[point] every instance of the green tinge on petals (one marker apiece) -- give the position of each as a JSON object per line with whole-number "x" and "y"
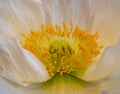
{"x": 65, "y": 84}
{"x": 79, "y": 74}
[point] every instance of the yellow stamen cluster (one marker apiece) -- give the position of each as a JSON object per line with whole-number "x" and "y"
{"x": 62, "y": 49}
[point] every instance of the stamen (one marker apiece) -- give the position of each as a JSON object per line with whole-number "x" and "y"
{"x": 62, "y": 49}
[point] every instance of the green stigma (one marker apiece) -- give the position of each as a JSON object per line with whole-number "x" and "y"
{"x": 61, "y": 53}
{"x": 60, "y": 47}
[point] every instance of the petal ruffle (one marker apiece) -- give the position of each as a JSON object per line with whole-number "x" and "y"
{"x": 18, "y": 63}
{"x": 17, "y": 16}
{"x": 109, "y": 62}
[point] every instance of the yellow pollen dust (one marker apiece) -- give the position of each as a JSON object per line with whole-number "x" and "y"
{"x": 62, "y": 49}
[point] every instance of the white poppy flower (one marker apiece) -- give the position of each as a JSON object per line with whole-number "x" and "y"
{"x": 54, "y": 59}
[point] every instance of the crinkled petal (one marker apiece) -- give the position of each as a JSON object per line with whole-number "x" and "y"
{"x": 18, "y": 63}
{"x": 57, "y": 11}
{"x": 18, "y": 16}
{"x": 107, "y": 21}
{"x": 109, "y": 62}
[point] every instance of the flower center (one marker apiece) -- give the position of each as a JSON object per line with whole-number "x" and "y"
{"x": 62, "y": 49}
{"x": 61, "y": 54}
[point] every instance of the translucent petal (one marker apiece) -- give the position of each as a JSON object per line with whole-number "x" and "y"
{"x": 107, "y": 21}
{"x": 109, "y": 62}
{"x": 18, "y": 16}
{"x": 20, "y": 63}
{"x": 57, "y": 11}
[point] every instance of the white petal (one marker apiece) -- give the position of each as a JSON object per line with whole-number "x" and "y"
{"x": 58, "y": 85}
{"x": 6, "y": 88}
{"x": 58, "y": 11}
{"x": 12, "y": 77}
{"x": 109, "y": 62}
{"x": 71, "y": 85}
{"x": 111, "y": 85}
{"x": 22, "y": 63}
{"x": 107, "y": 21}
{"x": 18, "y": 16}
{"x": 5, "y": 29}
{"x": 65, "y": 85}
